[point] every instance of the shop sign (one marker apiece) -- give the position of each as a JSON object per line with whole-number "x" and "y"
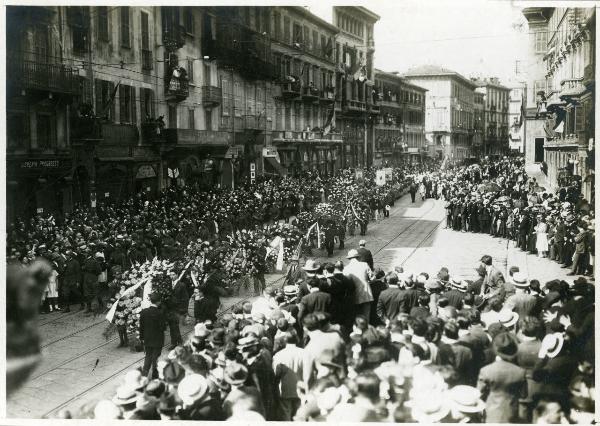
{"x": 106, "y": 194}
{"x": 252, "y": 167}
{"x": 145, "y": 171}
{"x": 269, "y": 152}
{"x": 40, "y": 210}
{"x": 42, "y": 164}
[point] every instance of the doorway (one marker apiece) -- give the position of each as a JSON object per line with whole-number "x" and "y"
{"x": 539, "y": 150}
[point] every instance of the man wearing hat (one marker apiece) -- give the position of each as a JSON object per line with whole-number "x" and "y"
{"x": 152, "y": 334}
{"x": 457, "y": 292}
{"x": 521, "y": 302}
{"x": 91, "y": 271}
{"x": 502, "y": 383}
{"x": 240, "y": 396}
{"x": 360, "y": 274}
{"x": 71, "y": 279}
{"x": 260, "y": 372}
{"x": 365, "y": 255}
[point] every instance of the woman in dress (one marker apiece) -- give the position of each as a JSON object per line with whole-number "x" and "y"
{"x": 541, "y": 243}
{"x": 52, "y": 291}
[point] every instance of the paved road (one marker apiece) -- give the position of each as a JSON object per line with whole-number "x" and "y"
{"x": 413, "y": 236}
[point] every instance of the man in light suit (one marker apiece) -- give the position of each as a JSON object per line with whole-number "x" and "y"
{"x": 360, "y": 274}
{"x": 493, "y": 281}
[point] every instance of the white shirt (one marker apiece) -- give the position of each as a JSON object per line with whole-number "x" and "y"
{"x": 359, "y": 273}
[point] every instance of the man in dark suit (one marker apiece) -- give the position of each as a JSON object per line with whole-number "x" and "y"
{"x": 502, "y": 383}
{"x": 152, "y": 334}
{"x": 315, "y": 301}
{"x": 364, "y": 254}
{"x": 389, "y": 303}
{"x": 413, "y": 191}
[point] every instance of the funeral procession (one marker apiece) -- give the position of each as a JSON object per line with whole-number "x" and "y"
{"x": 375, "y": 212}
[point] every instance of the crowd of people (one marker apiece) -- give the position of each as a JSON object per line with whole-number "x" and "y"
{"x": 500, "y": 199}
{"x": 349, "y": 341}
{"x": 89, "y": 247}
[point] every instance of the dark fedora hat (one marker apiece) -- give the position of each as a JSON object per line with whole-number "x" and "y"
{"x": 505, "y": 346}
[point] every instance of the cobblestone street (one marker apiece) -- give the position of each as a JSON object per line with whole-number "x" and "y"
{"x": 81, "y": 365}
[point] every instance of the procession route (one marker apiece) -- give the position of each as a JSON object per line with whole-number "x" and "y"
{"x": 413, "y": 237}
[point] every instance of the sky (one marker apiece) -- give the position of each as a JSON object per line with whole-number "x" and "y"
{"x": 479, "y": 38}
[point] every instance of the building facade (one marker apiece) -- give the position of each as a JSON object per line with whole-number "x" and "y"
{"x": 354, "y": 106}
{"x": 449, "y": 110}
{"x": 516, "y": 104}
{"x": 107, "y": 101}
{"x": 560, "y": 125}
{"x": 495, "y": 97}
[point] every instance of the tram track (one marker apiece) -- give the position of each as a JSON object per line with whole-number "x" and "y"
{"x": 413, "y": 222}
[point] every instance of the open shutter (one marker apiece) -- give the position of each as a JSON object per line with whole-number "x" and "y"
{"x": 152, "y": 112}
{"x": 133, "y": 106}
{"x": 144, "y": 108}
{"x": 98, "y": 91}
{"x": 122, "y": 104}
{"x": 579, "y": 119}
{"x": 111, "y": 108}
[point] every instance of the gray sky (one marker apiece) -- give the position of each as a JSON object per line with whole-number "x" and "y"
{"x": 473, "y": 37}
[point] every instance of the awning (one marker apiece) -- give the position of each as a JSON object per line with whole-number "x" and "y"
{"x": 275, "y": 165}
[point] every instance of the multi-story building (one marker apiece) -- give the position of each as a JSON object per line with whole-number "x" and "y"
{"x": 450, "y": 110}
{"x": 560, "y": 118}
{"x": 400, "y": 127}
{"x": 354, "y": 58}
{"x": 303, "y": 49}
{"x": 495, "y": 138}
{"x": 478, "y": 123}
{"x": 516, "y": 102}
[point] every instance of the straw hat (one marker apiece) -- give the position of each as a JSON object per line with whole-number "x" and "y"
{"x": 465, "y": 399}
{"x": 551, "y": 345}
{"x": 192, "y": 388}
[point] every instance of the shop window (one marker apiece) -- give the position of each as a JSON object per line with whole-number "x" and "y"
{"x": 17, "y": 130}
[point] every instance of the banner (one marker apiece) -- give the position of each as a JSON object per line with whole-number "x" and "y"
{"x": 279, "y": 264}
{"x": 359, "y": 174}
{"x": 318, "y": 236}
{"x": 388, "y": 174}
{"x": 380, "y": 179}
{"x": 310, "y": 229}
{"x": 273, "y": 245}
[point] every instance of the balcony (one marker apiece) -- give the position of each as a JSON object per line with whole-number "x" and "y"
{"x": 173, "y": 37}
{"x": 374, "y": 109}
{"x": 120, "y": 134}
{"x": 355, "y": 107}
{"x": 284, "y": 136}
{"x": 86, "y": 128}
{"x": 571, "y": 88}
{"x": 568, "y": 142}
{"x": 42, "y": 77}
{"x": 291, "y": 89}
{"x": 191, "y": 137}
{"x": 327, "y": 96}
{"x": 211, "y": 96}
{"x": 151, "y": 134}
{"x": 310, "y": 93}
{"x": 177, "y": 89}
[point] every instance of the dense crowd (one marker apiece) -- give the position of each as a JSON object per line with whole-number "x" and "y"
{"x": 346, "y": 340}
{"x": 501, "y": 200}
{"x": 351, "y": 342}
{"x": 88, "y": 248}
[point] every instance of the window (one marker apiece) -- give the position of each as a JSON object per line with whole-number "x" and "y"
{"x": 315, "y": 41}
{"x": 146, "y": 52}
{"x": 297, "y": 33}
{"x": 127, "y": 104}
{"x": 105, "y": 99}
{"x": 307, "y": 116}
{"x": 17, "y": 127}
{"x": 172, "y": 117}
{"x": 237, "y": 101}
{"x": 45, "y": 133}
{"x": 191, "y": 119}
{"x": 102, "y": 12}
{"x": 286, "y": 29}
{"x": 207, "y": 74}
{"x": 208, "y": 119}
{"x": 147, "y": 103}
{"x": 190, "y": 70}
{"x": 288, "y": 117}
{"x": 276, "y": 25}
{"x": 125, "y": 41}
{"x": 188, "y": 20}
{"x": 226, "y": 104}
{"x": 540, "y": 41}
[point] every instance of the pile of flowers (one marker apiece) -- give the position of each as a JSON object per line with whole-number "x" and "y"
{"x": 291, "y": 237}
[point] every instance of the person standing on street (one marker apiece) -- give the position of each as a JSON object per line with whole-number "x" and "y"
{"x": 91, "y": 271}
{"x": 413, "y": 191}
{"x": 360, "y": 274}
{"x": 152, "y": 335}
{"x": 365, "y": 255}
{"x": 176, "y": 307}
{"x": 70, "y": 280}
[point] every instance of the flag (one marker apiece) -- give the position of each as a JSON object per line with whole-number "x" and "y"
{"x": 279, "y": 264}
{"x": 111, "y": 98}
{"x": 330, "y": 123}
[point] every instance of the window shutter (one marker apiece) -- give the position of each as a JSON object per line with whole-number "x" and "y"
{"x": 144, "y": 108}
{"x": 122, "y": 104}
{"x": 111, "y": 108}
{"x": 579, "y": 119}
{"x": 98, "y": 89}
{"x": 152, "y": 112}
{"x": 133, "y": 118}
